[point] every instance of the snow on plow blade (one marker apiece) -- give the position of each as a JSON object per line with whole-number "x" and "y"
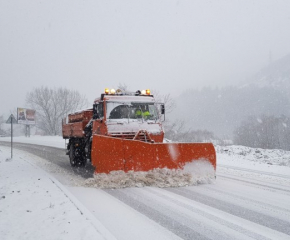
{"x": 113, "y": 154}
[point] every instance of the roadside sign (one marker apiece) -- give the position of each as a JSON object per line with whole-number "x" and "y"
{"x": 11, "y": 119}
{"x": 26, "y": 116}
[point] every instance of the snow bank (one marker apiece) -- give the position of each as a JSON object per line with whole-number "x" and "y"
{"x": 194, "y": 173}
{"x": 269, "y": 156}
{"x": 34, "y": 205}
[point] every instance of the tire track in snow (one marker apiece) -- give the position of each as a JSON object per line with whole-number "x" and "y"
{"x": 254, "y": 183}
{"x": 259, "y": 218}
{"x": 218, "y": 220}
{"x": 177, "y": 227}
{"x": 189, "y": 213}
{"x": 255, "y": 171}
{"x": 245, "y": 199}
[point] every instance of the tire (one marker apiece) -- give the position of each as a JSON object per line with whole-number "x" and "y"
{"x": 77, "y": 157}
{"x": 72, "y": 158}
{"x": 82, "y": 162}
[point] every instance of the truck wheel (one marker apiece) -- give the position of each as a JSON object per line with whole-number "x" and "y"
{"x": 82, "y": 162}
{"x": 72, "y": 158}
{"x": 80, "y": 157}
{"x": 76, "y": 157}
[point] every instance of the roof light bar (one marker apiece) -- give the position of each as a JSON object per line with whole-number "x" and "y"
{"x": 121, "y": 92}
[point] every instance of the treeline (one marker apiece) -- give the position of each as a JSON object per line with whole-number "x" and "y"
{"x": 267, "y": 132}
{"x": 221, "y": 110}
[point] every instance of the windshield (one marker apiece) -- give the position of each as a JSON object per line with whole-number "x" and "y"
{"x": 131, "y": 110}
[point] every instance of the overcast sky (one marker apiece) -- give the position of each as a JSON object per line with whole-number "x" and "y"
{"x": 165, "y": 45}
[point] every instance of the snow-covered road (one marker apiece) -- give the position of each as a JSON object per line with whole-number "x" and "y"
{"x": 227, "y": 209}
{"x": 248, "y": 200}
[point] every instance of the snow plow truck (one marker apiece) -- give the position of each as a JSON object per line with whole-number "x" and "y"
{"x": 123, "y": 131}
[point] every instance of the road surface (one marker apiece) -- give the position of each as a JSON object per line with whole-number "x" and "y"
{"x": 240, "y": 204}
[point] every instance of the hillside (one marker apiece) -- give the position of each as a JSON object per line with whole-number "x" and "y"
{"x": 221, "y": 110}
{"x": 276, "y": 75}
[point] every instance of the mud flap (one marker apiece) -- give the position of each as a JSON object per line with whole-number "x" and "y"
{"x": 111, "y": 154}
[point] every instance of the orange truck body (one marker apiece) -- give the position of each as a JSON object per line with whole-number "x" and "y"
{"x": 127, "y": 144}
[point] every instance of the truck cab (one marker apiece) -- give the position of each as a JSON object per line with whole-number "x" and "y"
{"x": 123, "y": 116}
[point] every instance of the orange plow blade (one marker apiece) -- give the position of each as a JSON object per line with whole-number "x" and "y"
{"x": 113, "y": 154}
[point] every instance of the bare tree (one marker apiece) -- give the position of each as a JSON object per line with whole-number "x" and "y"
{"x": 175, "y": 130}
{"x": 52, "y": 105}
{"x": 123, "y": 86}
{"x": 167, "y": 99}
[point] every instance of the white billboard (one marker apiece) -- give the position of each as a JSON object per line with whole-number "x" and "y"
{"x": 26, "y": 116}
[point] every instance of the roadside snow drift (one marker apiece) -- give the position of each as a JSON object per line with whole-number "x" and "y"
{"x": 269, "y": 156}
{"x": 34, "y": 206}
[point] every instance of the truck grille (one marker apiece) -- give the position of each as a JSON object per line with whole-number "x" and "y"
{"x": 124, "y": 135}
{"x": 140, "y": 136}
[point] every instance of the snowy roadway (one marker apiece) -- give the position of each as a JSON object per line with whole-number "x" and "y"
{"x": 248, "y": 200}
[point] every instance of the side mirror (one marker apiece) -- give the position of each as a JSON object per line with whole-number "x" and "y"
{"x": 95, "y": 111}
{"x": 162, "y": 109}
{"x": 162, "y": 106}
